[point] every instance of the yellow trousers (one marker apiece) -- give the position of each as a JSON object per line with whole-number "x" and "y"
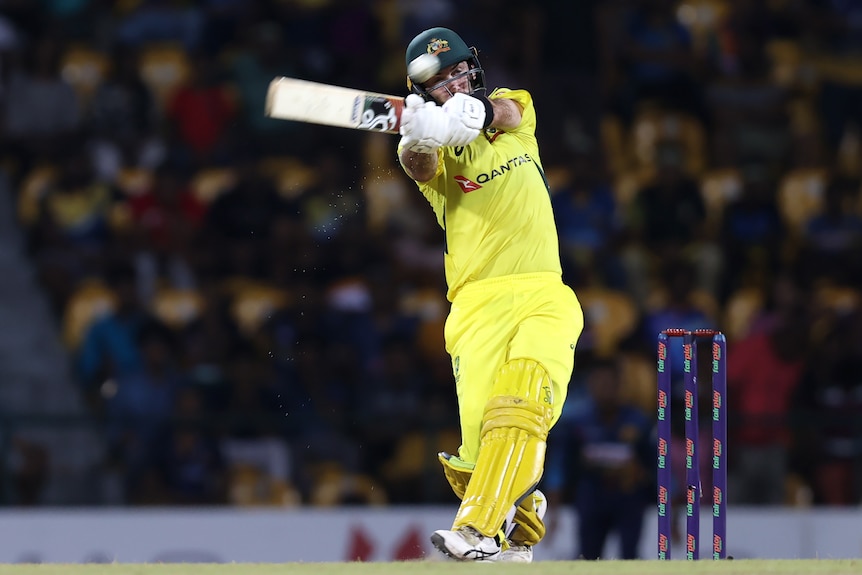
{"x": 492, "y": 321}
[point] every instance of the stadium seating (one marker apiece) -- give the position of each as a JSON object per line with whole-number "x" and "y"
{"x": 91, "y": 300}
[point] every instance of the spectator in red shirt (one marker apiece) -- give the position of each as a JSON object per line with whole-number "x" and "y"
{"x": 168, "y": 208}
{"x": 202, "y": 111}
{"x": 166, "y": 219}
{"x": 763, "y": 373}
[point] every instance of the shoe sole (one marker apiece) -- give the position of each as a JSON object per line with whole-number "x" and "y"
{"x": 440, "y": 543}
{"x": 504, "y": 559}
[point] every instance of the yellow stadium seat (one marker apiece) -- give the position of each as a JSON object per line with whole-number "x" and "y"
{"x": 785, "y": 59}
{"x": 797, "y": 491}
{"x": 337, "y": 487}
{"x": 251, "y": 486}
{"x": 652, "y": 126}
{"x": 702, "y": 18}
{"x": 644, "y": 136}
{"x": 177, "y": 307}
{"x": 693, "y": 137}
{"x": 291, "y": 175}
{"x": 377, "y": 151}
{"x": 135, "y": 181}
{"x": 32, "y": 190}
{"x": 164, "y": 68}
{"x": 840, "y": 299}
{"x": 718, "y": 187}
{"x": 84, "y": 69}
{"x": 613, "y": 138}
{"x": 209, "y": 183}
{"x": 610, "y": 316}
{"x": 626, "y": 186}
{"x": 429, "y": 305}
{"x": 639, "y": 382}
{"x": 706, "y": 302}
{"x": 252, "y": 304}
{"x": 414, "y": 451}
{"x": 804, "y": 121}
{"x": 831, "y": 303}
{"x": 850, "y": 157}
{"x": 559, "y": 176}
{"x": 740, "y": 310}
{"x": 389, "y": 203}
{"x": 120, "y": 217}
{"x": 386, "y": 194}
{"x": 800, "y": 196}
{"x": 90, "y": 301}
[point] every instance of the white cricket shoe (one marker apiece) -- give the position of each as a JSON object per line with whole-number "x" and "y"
{"x": 524, "y": 553}
{"x": 517, "y": 554}
{"x": 466, "y": 544}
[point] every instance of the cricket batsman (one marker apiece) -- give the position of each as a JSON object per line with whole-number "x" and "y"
{"x": 513, "y": 324}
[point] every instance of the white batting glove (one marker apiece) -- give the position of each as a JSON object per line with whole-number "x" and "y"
{"x": 428, "y": 127}
{"x": 412, "y": 126}
{"x": 412, "y": 103}
{"x": 468, "y": 110}
{"x": 425, "y": 130}
{"x": 459, "y": 134}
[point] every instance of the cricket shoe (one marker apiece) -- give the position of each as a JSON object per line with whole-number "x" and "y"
{"x": 514, "y": 553}
{"x": 466, "y": 544}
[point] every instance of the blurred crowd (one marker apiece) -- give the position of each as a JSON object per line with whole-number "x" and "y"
{"x": 254, "y": 308}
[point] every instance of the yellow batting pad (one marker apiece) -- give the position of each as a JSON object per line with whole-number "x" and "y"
{"x": 512, "y": 452}
{"x": 530, "y": 529}
{"x": 457, "y": 472}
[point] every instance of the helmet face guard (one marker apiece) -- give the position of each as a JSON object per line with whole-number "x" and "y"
{"x": 474, "y": 72}
{"x": 450, "y": 49}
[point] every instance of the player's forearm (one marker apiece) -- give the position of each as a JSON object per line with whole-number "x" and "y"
{"x": 420, "y": 167}
{"x": 507, "y": 114}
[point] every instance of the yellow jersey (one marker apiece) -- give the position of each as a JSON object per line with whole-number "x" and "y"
{"x": 492, "y": 200}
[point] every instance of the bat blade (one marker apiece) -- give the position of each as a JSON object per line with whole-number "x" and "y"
{"x": 316, "y": 103}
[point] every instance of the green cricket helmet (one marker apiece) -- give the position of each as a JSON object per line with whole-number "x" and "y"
{"x": 450, "y": 49}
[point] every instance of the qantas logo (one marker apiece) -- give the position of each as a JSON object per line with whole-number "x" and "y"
{"x": 467, "y": 185}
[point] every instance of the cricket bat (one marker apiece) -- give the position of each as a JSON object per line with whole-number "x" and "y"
{"x": 315, "y": 103}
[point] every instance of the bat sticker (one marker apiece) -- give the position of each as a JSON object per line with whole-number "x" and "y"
{"x": 376, "y": 113}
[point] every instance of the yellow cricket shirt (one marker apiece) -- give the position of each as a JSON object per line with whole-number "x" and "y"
{"x": 492, "y": 200}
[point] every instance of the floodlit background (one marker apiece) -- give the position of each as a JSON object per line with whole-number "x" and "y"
{"x": 205, "y": 310}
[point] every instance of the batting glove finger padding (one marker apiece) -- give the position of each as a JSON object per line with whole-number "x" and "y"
{"x": 429, "y": 127}
{"x": 413, "y": 101}
{"x": 468, "y": 110}
{"x": 459, "y": 134}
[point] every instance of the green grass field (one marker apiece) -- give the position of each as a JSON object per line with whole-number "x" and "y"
{"x": 741, "y": 567}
